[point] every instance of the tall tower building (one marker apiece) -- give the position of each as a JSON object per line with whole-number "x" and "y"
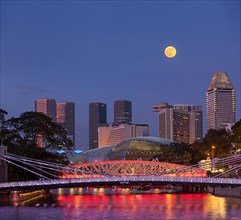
{"x": 97, "y": 118}
{"x": 180, "y": 123}
{"x": 66, "y": 118}
{"x": 46, "y": 106}
{"x": 122, "y": 112}
{"x": 195, "y": 117}
{"x": 220, "y": 102}
{"x": 165, "y": 120}
{"x": 62, "y": 113}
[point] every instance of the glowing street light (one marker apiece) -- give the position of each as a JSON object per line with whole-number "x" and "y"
{"x": 213, "y": 147}
{"x": 212, "y": 161}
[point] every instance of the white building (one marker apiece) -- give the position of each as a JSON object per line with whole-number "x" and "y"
{"x": 114, "y": 135}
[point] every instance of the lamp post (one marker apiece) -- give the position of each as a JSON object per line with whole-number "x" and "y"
{"x": 213, "y": 147}
{"x": 212, "y": 162}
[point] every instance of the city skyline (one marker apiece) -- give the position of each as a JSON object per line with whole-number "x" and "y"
{"x": 179, "y": 123}
{"x": 97, "y": 118}
{"x": 122, "y": 112}
{"x": 86, "y": 52}
{"x": 62, "y": 113}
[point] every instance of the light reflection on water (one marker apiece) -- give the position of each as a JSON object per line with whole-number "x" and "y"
{"x": 128, "y": 206}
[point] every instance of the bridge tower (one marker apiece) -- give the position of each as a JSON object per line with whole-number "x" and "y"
{"x": 3, "y": 165}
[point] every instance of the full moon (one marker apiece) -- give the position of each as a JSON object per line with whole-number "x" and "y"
{"x": 170, "y": 52}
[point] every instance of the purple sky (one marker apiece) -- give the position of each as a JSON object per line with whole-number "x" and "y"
{"x": 84, "y": 51}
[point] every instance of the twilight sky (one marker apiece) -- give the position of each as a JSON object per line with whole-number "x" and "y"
{"x": 84, "y": 51}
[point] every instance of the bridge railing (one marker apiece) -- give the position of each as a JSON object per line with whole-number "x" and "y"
{"x": 40, "y": 168}
{"x": 119, "y": 180}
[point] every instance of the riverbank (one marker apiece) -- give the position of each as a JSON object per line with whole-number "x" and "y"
{"x": 227, "y": 192}
{"x": 21, "y": 197}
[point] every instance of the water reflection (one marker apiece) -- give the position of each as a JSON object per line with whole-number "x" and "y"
{"x": 154, "y": 206}
{"x": 219, "y": 204}
{"x": 127, "y": 206}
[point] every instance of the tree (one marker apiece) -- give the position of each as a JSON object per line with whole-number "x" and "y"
{"x": 200, "y": 151}
{"x": 20, "y": 136}
{"x": 30, "y": 125}
{"x": 3, "y": 113}
{"x": 179, "y": 153}
{"x": 236, "y": 135}
{"x": 217, "y": 143}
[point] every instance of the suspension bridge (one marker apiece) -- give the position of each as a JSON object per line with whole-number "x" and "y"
{"x": 120, "y": 173}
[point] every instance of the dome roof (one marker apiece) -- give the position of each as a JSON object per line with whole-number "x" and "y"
{"x": 144, "y": 148}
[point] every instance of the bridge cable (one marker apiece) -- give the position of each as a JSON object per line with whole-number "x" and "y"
{"x": 8, "y": 161}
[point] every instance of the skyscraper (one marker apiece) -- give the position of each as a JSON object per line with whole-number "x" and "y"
{"x": 195, "y": 117}
{"x": 62, "y": 113}
{"x": 66, "y": 118}
{"x": 180, "y": 123}
{"x": 122, "y": 112}
{"x": 97, "y": 118}
{"x": 46, "y": 106}
{"x": 165, "y": 120}
{"x": 220, "y": 102}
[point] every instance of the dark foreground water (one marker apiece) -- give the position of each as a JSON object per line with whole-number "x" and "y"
{"x": 126, "y": 206}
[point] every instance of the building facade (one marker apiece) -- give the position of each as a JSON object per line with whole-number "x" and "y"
{"x": 220, "y": 102}
{"x": 165, "y": 120}
{"x": 97, "y": 118}
{"x": 62, "y": 113}
{"x": 180, "y": 123}
{"x": 114, "y": 135}
{"x": 195, "y": 117}
{"x": 122, "y": 112}
{"x": 66, "y": 118}
{"x": 47, "y": 107}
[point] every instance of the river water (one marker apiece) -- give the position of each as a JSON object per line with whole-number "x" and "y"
{"x": 146, "y": 206}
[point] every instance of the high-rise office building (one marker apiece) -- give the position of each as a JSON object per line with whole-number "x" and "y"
{"x": 62, "y": 113}
{"x": 195, "y": 120}
{"x": 180, "y": 123}
{"x": 165, "y": 120}
{"x": 46, "y": 106}
{"x": 66, "y": 118}
{"x": 220, "y": 102}
{"x": 114, "y": 135}
{"x": 97, "y": 118}
{"x": 122, "y": 112}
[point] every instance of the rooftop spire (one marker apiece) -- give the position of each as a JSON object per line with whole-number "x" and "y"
{"x": 220, "y": 80}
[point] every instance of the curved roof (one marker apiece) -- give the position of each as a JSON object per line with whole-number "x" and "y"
{"x": 145, "y": 148}
{"x": 220, "y": 80}
{"x": 153, "y": 139}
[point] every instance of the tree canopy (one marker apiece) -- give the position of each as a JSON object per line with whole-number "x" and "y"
{"x": 218, "y": 143}
{"x": 26, "y": 129}
{"x": 236, "y": 135}
{"x": 20, "y": 135}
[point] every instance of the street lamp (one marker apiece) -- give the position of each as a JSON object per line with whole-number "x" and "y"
{"x": 213, "y": 147}
{"x": 212, "y": 162}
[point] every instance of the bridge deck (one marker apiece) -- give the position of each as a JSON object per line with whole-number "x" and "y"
{"x": 118, "y": 180}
